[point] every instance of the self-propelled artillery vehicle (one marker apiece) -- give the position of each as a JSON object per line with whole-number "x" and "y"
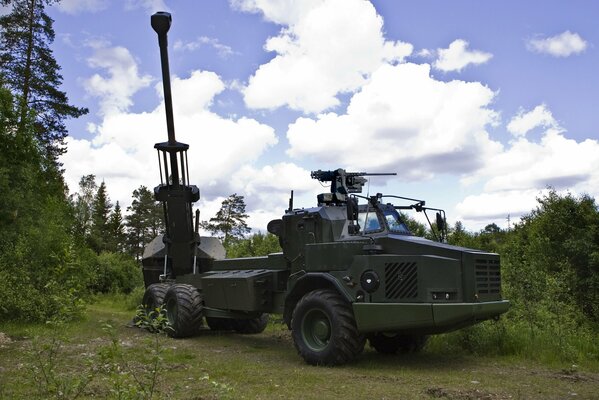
{"x": 348, "y": 272}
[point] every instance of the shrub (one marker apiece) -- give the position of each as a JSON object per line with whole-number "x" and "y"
{"x": 115, "y": 272}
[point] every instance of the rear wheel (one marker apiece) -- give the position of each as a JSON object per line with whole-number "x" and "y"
{"x": 251, "y": 325}
{"x": 219, "y": 324}
{"x": 183, "y": 305}
{"x": 154, "y": 297}
{"x": 392, "y": 343}
{"x": 324, "y": 329}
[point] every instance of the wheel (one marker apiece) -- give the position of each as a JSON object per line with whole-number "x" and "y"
{"x": 391, "y": 343}
{"x": 252, "y": 325}
{"x": 219, "y": 324}
{"x": 183, "y": 305}
{"x": 412, "y": 344}
{"x": 324, "y": 329}
{"x": 154, "y": 297}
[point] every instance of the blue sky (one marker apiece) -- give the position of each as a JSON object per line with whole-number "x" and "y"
{"x": 478, "y": 106}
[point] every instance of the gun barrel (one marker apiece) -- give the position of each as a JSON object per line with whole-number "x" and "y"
{"x": 161, "y": 23}
{"x": 328, "y": 176}
{"x": 371, "y": 174}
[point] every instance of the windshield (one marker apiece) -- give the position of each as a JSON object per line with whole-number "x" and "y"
{"x": 369, "y": 221}
{"x": 394, "y": 222}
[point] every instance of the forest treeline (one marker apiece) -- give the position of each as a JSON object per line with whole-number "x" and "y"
{"x": 56, "y": 249}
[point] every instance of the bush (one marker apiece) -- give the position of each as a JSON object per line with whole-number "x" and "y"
{"x": 115, "y": 272}
{"x": 41, "y": 278}
{"x": 510, "y": 337}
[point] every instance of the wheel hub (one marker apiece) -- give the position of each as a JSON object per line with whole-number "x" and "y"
{"x": 316, "y": 330}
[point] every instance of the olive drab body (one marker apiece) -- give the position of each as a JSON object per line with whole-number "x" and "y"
{"x": 350, "y": 271}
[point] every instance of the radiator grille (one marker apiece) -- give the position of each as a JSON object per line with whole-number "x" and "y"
{"x": 401, "y": 280}
{"x": 487, "y": 276}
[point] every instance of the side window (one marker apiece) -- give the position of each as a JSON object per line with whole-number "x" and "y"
{"x": 369, "y": 224}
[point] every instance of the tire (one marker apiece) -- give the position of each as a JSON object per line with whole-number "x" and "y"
{"x": 183, "y": 305}
{"x": 392, "y": 343}
{"x": 250, "y": 326}
{"x": 154, "y": 297}
{"x": 219, "y": 324}
{"x": 324, "y": 329}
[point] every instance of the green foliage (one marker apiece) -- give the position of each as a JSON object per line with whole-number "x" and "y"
{"x": 258, "y": 244}
{"x": 115, "y": 272}
{"x": 111, "y": 363}
{"x": 229, "y": 222}
{"x": 116, "y": 230}
{"x": 33, "y": 75}
{"x": 100, "y": 234}
{"x": 154, "y": 321}
{"x": 550, "y": 273}
{"x": 83, "y": 203}
{"x": 144, "y": 221}
{"x": 43, "y": 364}
{"x": 128, "y": 380}
{"x": 551, "y": 264}
{"x": 417, "y": 228}
{"x": 510, "y": 337}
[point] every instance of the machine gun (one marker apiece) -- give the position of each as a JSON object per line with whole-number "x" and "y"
{"x": 175, "y": 192}
{"x": 342, "y": 184}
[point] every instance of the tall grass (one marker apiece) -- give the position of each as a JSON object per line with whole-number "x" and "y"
{"x": 545, "y": 344}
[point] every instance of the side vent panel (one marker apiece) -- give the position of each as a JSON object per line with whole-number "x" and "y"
{"x": 488, "y": 277}
{"x": 401, "y": 280}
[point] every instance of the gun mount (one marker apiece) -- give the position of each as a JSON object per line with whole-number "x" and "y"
{"x": 342, "y": 184}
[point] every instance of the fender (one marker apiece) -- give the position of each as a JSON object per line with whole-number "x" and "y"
{"x": 303, "y": 282}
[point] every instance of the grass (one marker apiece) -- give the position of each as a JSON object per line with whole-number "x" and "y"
{"x": 264, "y": 366}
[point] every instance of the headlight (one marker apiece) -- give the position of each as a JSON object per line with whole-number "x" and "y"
{"x": 370, "y": 281}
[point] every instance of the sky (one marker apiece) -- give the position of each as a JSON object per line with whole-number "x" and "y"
{"x": 478, "y": 107}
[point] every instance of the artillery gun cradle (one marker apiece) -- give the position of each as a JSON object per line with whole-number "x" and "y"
{"x": 348, "y": 272}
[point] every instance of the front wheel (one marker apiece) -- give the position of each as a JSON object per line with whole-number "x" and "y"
{"x": 324, "y": 329}
{"x": 183, "y": 305}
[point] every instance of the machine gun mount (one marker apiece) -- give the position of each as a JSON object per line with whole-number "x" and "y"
{"x": 342, "y": 184}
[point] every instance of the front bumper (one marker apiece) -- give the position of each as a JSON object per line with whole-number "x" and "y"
{"x": 424, "y": 317}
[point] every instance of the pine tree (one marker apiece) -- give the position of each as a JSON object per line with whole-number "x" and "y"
{"x": 29, "y": 70}
{"x": 144, "y": 221}
{"x": 116, "y": 228}
{"x": 83, "y": 205}
{"x": 229, "y": 223}
{"x": 100, "y": 230}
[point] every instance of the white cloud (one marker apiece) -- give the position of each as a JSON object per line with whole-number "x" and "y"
{"x": 563, "y": 45}
{"x": 513, "y": 177}
{"x": 426, "y": 53}
{"x": 282, "y": 12}
{"x": 151, "y": 6}
{"x": 403, "y": 120}
{"x": 326, "y": 48}
{"x": 123, "y": 80}
{"x": 121, "y": 153}
{"x": 267, "y": 190}
{"x": 74, "y": 7}
{"x": 457, "y": 57}
{"x": 476, "y": 211}
{"x": 524, "y": 122}
{"x": 222, "y": 50}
